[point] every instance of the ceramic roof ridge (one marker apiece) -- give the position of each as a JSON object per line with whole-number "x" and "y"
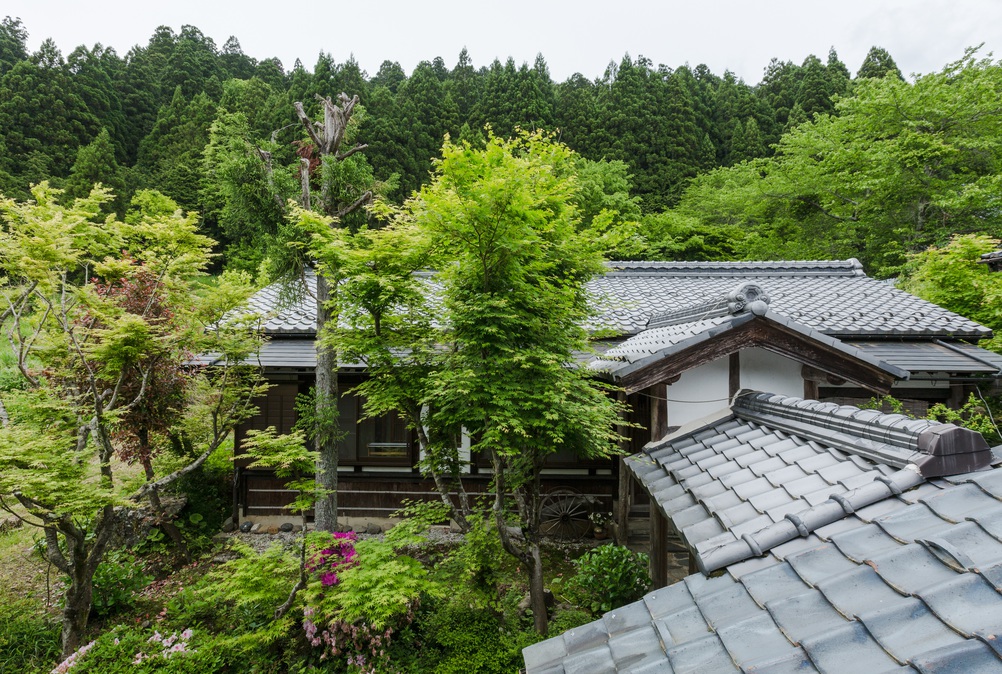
{"x": 850, "y": 267}
{"x": 804, "y": 523}
{"x": 747, "y": 296}
{"x": 893, "y": 439}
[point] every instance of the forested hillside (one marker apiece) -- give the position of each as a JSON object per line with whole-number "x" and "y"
{"x": 191, "y": 119}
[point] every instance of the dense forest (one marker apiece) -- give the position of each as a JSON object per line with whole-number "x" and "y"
{"x": 190, "y": 119}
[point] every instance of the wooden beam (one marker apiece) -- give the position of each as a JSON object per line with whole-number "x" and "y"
{"x": 772, "y": 337}
{"x": 733, "y": 374}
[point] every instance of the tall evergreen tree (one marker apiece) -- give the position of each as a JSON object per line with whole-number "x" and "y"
{"x": 815, "y": 94}
{"x": 13, "y": 43}
{"x": 96, "y": 163}
{"x": 878, "y": 63}
{"x": 43, "y": 119}
{"x": 170, "y": 157}
{"x": 234, "y": 62}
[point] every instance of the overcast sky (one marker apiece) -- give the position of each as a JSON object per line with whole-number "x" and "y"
{"x": 581, "y": 36}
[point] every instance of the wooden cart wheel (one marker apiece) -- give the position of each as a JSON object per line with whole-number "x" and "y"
{"x": 564, "y": 514}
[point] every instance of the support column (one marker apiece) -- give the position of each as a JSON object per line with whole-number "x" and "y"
{"x": 659, "y": 548}
{"x": 625, "y": 483}
{"x": 658, "y": 394}
{"x": 733, "y": 374}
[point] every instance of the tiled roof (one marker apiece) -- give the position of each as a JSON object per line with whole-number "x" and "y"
{"x": 833, "y": 297}
{"x": 288, "y": 308}
{"x": 847, "y": 564}
{"x": 934, "y": 356}
{"x": 909, "y": 584}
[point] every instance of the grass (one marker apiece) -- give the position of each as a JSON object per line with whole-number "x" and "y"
{"x": 24, "y": 575}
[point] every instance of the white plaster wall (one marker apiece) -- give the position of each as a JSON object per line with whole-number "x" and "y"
{"x": 763, "y": 370}
{"x": 698, "y": 392}
{"x": 703, "y": 390}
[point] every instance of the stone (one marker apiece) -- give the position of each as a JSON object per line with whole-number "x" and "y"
{"x": 526, "y": 604}
{"x": 257, "y": 529}
{"x": 359, "y": 528}
{"x": 273, "y": 530}
{"x": 246, "y": 526}
{"x": 286, "y": 527}
{"x": 228, "y": 527}
{"x": 10, "y": 523}
{"x": 373, "y": 529}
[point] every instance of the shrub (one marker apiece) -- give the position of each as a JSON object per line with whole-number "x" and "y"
{"x": 607, "y": 577}
{"x": 469, "y": 639}
{"x": 242, "y": 594}
{"x": 118, "y": 579}
{"x": 375, "y": 594}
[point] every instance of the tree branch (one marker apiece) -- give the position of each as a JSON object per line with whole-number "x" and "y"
{"x": 364, "y": 199}
{"x": 344, "y": 155}
{"x": 307, "y": 123}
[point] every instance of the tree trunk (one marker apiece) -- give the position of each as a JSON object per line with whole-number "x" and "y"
{"x": 158, "y": 509}
{"x": 326, "y": 396}
{"x": 537, "y": 592}
{"x": 528, "y": 552}
{"x": 78, "y": 598}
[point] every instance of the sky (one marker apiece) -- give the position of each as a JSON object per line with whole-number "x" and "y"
{"x": 582, "y": 36}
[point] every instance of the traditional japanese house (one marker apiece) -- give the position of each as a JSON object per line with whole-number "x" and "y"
{"x": 679, "y": 339}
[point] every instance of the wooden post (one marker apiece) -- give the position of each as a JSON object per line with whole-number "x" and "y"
{"x": 659, "y": 548}
{"x": 810, "y": 389}
{"x": 625, "y": 485}
{"x": 658, "y": 394}
{"x": 236, "y": 497}
{"x": 733, "y": 374}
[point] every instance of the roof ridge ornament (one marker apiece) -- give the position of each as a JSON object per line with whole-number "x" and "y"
{"x": 747, "y": 296}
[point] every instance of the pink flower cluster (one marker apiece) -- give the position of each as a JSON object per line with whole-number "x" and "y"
{"x": 339, "y": 554}
{"x": 68, "y": 663}
{"x": 175, "y": 643}
{"x": 356, "y": 642}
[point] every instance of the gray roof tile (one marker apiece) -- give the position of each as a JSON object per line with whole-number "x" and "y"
{"x": 847, "y": 648}
{"x": 726, "y": 606}
{"x": 703, "y": 655}
{"x": 805, "y": 615}
{"x": 858, "y": 590}
{"x": 907, "y": 628}
{"x": 817, "y": 564}
{"x": 967, "y": 603}
{"x": 773, "y": 582}
{"x": 747, "y": 639}
{"x": 864, "y": 543}
{"x": 685, "y": 625}
{"x": 896, "y": 575}
{"x": 967, "y": 657}
{"x": 795, "y": 662}
{"x": 587, "y": 662}
{"x": 909, "y": 524}
{"x": 911, "y": 568}
{"x": 636, "y": 648}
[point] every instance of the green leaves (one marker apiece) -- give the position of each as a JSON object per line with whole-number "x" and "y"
{"x": 901, "y": 167}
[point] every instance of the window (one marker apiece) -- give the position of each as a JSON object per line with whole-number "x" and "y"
{"x": 380, "y": 441}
